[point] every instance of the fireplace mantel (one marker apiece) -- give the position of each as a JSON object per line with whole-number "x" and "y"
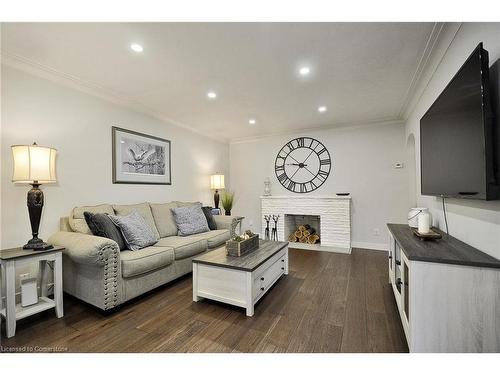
{"x": 334, "y": 213}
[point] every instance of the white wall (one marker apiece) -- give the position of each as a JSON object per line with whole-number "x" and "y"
{"x": 474, "y": 222}
{"x": 78, "y": 125}
{"x": 363, "y": 161}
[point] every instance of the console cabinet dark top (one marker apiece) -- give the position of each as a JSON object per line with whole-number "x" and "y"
{"x": 445, "y": 250}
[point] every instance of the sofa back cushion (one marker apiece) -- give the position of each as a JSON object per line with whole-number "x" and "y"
{"x": 143, "y": 209}
{"x": 184, "y": 204}
{"x": 135, "y": 230}
{"x": 190, "y": 220}
{"x": 77, "y": 220}
{"x": 164, "y": 218}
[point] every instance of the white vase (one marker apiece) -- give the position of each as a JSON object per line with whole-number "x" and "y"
{"x": 267, "y": 186}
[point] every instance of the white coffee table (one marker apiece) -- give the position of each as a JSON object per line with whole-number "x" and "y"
{"x": 239, "y": 281}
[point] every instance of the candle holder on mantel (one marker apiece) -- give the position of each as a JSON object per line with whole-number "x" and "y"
{"x": 267, "y": 218}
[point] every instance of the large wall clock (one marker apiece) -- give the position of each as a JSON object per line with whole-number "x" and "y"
{"x": 303, "y": 165}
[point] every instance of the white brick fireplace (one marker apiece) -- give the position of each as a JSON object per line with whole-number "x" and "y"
{"x": 334, "y": 215}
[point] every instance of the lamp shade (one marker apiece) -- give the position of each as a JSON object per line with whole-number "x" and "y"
{"x": 217, "y": 181}
{"x": 34, "y": 164}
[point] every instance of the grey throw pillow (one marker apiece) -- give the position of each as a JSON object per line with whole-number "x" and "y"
{"x": 102, "y": 226}
{"x": 190, "y": 220}
{"x": 136, "y": 232}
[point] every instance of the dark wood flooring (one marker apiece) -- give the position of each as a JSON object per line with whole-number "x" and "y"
{"x": 328, "y": 303}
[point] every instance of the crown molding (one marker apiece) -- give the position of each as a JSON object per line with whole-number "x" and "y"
{"x": 340, "y": 126}
{"x": 422, "y": 64}
{"x": 34, "y": 68}
{"x": 439, "y": 41}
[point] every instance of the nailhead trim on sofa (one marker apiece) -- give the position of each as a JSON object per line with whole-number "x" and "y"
{"x": 109, "y": 256}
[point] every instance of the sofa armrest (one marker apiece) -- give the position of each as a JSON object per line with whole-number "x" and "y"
{"x": 227, "y": 222}
{"x": 87, "y": 249}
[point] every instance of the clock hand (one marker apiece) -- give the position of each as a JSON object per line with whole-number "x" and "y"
{"x": 301, "y": 165}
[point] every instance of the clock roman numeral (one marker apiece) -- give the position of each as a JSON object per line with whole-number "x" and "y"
{"x": 303, "y": 188}
{"x": 321, "y": 151}
{"x": 325, "y": 161}
{"x": 322, "y": 175}
{"x": 280, "y": 168}
{"x": 282, "y": 177}
{"x": 290, "y": 146}
{"x": 300, "y": 142}
{"x": 291, "y": 186}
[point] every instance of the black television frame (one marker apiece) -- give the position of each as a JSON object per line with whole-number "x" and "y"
{"x": 491, "y": 135}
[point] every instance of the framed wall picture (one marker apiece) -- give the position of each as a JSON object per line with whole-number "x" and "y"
{"x": 140, "y": 158}
{"x": 215, "y": 211}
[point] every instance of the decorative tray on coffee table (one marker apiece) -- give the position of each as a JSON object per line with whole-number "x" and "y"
{"x": 432, "y": 235}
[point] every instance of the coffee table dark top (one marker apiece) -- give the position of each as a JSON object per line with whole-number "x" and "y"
{"x": 19, "y": 252}
{"x": 446, "y": 250}
{"x": 247, "y": 262}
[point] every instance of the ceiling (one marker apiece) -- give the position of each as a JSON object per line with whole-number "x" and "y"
{"x": 362, "y": 72}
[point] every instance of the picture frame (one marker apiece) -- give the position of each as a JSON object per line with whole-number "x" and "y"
{"x": 140, "y": 158}
{"x": 215, "y": 211}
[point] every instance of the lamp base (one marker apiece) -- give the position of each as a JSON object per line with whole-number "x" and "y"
{"x": 216, "y": 199}
{"x": 37, "y": 244}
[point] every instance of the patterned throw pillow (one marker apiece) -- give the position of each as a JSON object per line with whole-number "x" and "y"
{"x": 102, "y": 226}
{"x": 190, "y": 220}
{"x": 210, "y": 218}
{"x": 136, "y": 232}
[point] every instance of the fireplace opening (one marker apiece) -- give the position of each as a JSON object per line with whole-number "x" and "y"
{"x": 304, "y": 229}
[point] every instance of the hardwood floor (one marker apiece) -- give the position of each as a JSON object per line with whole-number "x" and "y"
{"x": 328, "y": 303}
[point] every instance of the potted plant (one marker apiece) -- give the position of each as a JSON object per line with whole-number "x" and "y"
{"x": 227, "y": 202}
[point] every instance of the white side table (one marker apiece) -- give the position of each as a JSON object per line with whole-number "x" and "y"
{"x": 12, "y": 258}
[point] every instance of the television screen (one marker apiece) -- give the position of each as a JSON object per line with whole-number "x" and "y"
{"x": 457, "y": 148}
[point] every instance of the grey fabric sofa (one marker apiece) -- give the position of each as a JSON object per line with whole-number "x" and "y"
{"x": 97, "y": 272}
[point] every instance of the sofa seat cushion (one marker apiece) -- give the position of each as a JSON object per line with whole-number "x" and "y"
{"x": 215, "y": 238}
{"x": 143, "y": 209}
{"x": 145, "y": 260}
{"x": 164, "y": 219}
{"x": 184, "y": 247}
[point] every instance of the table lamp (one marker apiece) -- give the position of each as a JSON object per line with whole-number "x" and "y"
{"x": 216, "y": 182}
{"x": 34, "y": 165}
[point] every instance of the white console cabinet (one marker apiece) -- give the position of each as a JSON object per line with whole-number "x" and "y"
{"x": 447, "y": 293}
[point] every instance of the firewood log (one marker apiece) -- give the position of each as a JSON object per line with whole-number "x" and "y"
{"x": 313, "y": 239}
{"x": 298, "y": 234}
{"x": 304, "y": 227}
{"x": 292, "y": 238}
{"x": 303, "y": 239}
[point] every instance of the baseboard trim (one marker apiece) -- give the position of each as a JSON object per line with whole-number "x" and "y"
{"x": 370, "y": 246}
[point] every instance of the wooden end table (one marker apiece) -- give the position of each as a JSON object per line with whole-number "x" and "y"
{"x": 15, "y": 257}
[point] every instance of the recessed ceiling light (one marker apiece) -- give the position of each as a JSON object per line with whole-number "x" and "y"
{"x": 322, "y": 109}
{"x": 252, "y": 121}
{"x": 136, "y": 47}
{"x": 305, "y": 70}
{"x": 211, "y": 95}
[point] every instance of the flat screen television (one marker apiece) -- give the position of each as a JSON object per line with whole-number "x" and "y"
{"x": 459, "y": 136}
